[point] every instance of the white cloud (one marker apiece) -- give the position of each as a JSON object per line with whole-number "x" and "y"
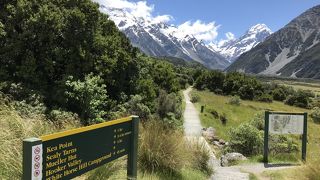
{"x": 138, "y": 9}
{"x": 162, "y": 18}
{"x": 230, "y": 36}
{"x": 202, "y": 31}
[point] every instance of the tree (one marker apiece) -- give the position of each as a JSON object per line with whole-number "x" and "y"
{"x": 88, "y": 98}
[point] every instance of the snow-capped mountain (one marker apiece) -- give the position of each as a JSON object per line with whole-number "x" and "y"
{"x": 233, "y": 48}
{"x": 293, "y": 51}
{"x": 160, "y": 39}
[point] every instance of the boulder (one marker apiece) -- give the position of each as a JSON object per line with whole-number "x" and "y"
{"x": 222, "y": 142}
{"x": 230, "y": 159}
{"x": 208, "y": 133}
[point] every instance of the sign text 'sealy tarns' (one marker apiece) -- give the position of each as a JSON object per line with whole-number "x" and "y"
{"x": 68, "y": 154}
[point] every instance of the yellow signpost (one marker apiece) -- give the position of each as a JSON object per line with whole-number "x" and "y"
{"x": 68, "y": 154}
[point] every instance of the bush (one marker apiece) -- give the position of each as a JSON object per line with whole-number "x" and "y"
{"x": 265, "y": 98}
{"x": 281, "y": 93}
{"x": 88, "y": 98}
{"x": 62, "y": 119}
{"x": 223, "y": 119}
{"x": 246, "y": 140}
{"x": 160, "y": 149}
{"x": 169, "y": 107}
{"x": 135, "y": 107}
{"x": 282, "y": 144}
{"x": 258, "y": 121}
{"x": 200, "y": 156}
{"x": 195, "y": 98}
{"x": 234, "y": 100}
{"x": 218, "y": 91}
{"x": 214, "y": 113}
{"x": 315, "y": 102}
{"x": 315, "y": 114}
{"x": 300, "y": 99}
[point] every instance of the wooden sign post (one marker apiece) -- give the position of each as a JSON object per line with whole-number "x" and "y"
{"x": 68, "y": 154}
{"x": 285, "y": 123}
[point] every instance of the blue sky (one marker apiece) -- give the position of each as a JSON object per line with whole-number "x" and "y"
{"x": 234, "y": 16}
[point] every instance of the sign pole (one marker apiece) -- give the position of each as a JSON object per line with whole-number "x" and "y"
{"x": 31, "y": 169}
{"x": 133, "y": 153}
{"x": 266, "y": 137}
{"x": 304, "y": 137}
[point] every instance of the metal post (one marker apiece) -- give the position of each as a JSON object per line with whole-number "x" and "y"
{"x": 132, "y": 155}
{"x": 32, "y": 159}
{"x": 266, "y": 137}
{"x": 304, "y": 137}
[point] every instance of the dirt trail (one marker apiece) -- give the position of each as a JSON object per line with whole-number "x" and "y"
{"x": 192, "y": 129}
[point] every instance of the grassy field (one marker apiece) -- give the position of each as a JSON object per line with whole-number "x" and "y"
{"x": 245, "y": 112}
{"x": 234, "y": 114}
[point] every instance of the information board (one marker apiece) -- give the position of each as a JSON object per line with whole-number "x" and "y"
{"x": 286, "y": 124}
{"x": 68, "y": 154}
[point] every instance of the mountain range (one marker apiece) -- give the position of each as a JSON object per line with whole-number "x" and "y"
{"x": 163, "y": 40}
{"x": 293, "y": 51}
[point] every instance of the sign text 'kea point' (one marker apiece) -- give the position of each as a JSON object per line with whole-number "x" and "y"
{"x": 71, "y": 153}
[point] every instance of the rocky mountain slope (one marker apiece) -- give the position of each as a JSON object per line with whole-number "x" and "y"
{"x": 160, "y": 39}
{"x": 233, "y": 48}
{"x": 293, "y": 51}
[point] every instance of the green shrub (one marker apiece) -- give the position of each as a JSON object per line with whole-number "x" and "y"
{"x": 258, "y": 121}
{"x": 246, "y": 140}
{"x": 282, "y": 144}
{"x": 214, "y": 113}
{"x": 195, "y": 98}
{"x": 88, "y": 98}
{"x": 315, "y": 114}
{"x": 234, "y": 100}
{"x": 62, "y": 119}
{"x": 280, "y": 93}
{"x": 315, "y": 102}
{"x": 300, "y": 99}
{"x": 265, "y": 98}
{"x": 223, "y": 119}
{"x": 218, "y": 91}
{"x": 169, "y": 107}
{"x": 135, "y": 107}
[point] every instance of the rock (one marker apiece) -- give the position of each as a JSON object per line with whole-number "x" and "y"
{"x": 222, "y": 142}
{"x": 230, "y": 159}
{"x": 208, "y": 133}
{"x": 217, "y": 144}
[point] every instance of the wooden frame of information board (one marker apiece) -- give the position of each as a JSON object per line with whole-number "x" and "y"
{"x": 68, "y": 154}
{"x": 266, "y": 133}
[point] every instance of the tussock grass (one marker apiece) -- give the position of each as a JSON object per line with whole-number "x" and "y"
{"x": 166, "y": 153}
{"x": 161, "y": 149}
{"x": 13, "y": 129}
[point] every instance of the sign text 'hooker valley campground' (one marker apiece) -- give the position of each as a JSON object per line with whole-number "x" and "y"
{"x": 71, "y": 153}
